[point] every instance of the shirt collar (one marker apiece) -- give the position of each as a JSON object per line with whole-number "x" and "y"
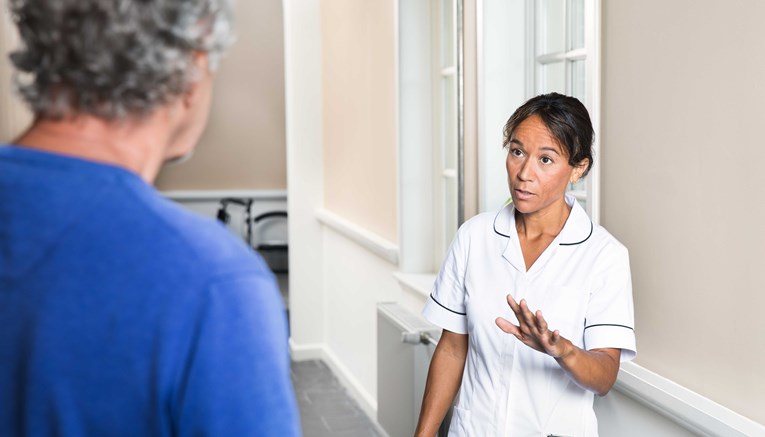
{"x": 577, "y": 230}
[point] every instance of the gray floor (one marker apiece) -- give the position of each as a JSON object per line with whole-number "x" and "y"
{"x": 326, "y": 409}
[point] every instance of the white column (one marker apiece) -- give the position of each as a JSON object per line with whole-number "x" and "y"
{"x": 305, "y": 176}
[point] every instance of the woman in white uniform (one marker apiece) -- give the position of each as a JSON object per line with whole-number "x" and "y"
{"x": 535, "y": 301}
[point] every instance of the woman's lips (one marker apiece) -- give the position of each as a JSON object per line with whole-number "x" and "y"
{"x": 522, "y": 195}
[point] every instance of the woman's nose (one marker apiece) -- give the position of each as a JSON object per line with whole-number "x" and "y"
{"x": 525, "y": 172}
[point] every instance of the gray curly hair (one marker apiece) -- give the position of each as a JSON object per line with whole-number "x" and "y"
{"x": 112, "y": 58}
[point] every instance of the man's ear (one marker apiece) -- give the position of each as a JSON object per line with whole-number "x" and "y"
{"x": 200, "y": 64}
{"x": 579, "y": 170}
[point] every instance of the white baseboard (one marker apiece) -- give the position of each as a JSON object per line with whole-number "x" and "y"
{"x": 305, "y": 352}
{"x": 317, "y": 351}
{"x": 367, "y": 402}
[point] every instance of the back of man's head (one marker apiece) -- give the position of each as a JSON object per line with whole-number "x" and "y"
{"x": 112, "y": 58}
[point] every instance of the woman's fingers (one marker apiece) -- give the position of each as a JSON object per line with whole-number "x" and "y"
{"x": 527, "y": 321}
{"x": 541, "y": 322}
{"x": 513, "y": 305}
{"x": 507, "y": 327}
{"x": 532, "y": 328}
{"x": 555, "y": 337}
{"x": 528, "y": 316}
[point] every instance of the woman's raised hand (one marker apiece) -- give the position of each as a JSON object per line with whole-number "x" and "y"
{"x": 532, "y": 330}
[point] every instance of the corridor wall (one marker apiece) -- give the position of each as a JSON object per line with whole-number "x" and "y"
{"x": 683, "y": 190}
{"x": 244, "y": 145}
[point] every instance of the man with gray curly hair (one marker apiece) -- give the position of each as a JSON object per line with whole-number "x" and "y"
{"x": 120, "y": 312}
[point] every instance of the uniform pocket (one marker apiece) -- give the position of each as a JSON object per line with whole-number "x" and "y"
{"x": 564, "y": 310}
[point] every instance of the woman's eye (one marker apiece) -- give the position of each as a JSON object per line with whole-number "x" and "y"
{"x": 546, "y": 160}
{"x": 516, "y": 152}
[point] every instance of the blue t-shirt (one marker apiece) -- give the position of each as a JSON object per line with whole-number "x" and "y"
{"x": 123, "y": 314}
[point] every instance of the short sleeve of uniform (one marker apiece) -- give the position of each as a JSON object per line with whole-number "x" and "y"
{"x": 610, "y": 315}
{"x": 445, "y": 307}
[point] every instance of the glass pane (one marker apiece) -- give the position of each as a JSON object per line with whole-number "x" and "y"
{"x": 578, "y": 83}
{"x": 551, "y": 77}
{"x": 449, "y": 122}
{"x": 580, "y": 185}
{"x": 448, "y": 52}
{"x": 550, "y": 26}
{"x": 450, "y": 210}
{"x": 577, "y": 24}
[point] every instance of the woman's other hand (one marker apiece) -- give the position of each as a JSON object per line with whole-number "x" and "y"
{"x": 532, "y": 330}
{"x": 594, "y": 370}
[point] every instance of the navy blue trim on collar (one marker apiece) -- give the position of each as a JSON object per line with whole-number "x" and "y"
{"x": 494, "y": 223}
{"x": 447, "y": 309}
{"x": 592, "y": 227}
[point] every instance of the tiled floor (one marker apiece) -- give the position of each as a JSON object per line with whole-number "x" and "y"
{"x": 326, "y": 409}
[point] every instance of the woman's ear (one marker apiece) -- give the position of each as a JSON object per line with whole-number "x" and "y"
{"x": 201, "y": 66}
{"x": 579, "y": 170}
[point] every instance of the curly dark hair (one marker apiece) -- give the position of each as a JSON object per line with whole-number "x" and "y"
{"x": 568, "y": 122}
{"x": 112, "y": 58}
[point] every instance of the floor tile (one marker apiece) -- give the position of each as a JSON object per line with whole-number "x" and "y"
{"x": 326, "y": 408}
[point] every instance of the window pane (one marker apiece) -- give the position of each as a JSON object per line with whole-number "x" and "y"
{"x": 578, "y": 82}
{"x": 449, "y": 121}
{"x": 577, "y": 24}
{"x": 580, "y": 185}
{"x": 551, "y": 77}
{"x": 450, "y": 210}
{"x": 551, "y": 26}
{"x": 448, "y": 52}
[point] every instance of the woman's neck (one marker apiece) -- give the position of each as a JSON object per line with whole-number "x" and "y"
{"x": 547, "y": 222}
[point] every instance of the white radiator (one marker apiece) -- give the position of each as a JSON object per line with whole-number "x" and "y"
{"x": 405, "y": 345}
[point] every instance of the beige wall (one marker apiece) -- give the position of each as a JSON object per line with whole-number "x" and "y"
{"x": 14, "y": 115}
{"x": 684, "y": 188}
{"x": 359, "y": 92}
{"x": 244, "y": 144}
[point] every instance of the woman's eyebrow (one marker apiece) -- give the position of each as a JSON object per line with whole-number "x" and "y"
{"x": 516, "y": 141}
{"x": 551, "y": 149}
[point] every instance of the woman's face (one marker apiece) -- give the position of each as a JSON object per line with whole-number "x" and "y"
{"x": 537, "y": 168}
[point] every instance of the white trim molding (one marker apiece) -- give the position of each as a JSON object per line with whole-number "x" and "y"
{"x": 204, "y": 195}
{"x": 367, "y": 239}
{"x": 418, "y": 283}
{"x": 687, "y": 408}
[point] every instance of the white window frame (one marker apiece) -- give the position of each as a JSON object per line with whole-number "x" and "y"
{"x": 591, "y": 54}
{"x": 422, "y": 241}
{"x": 445, "y": 74}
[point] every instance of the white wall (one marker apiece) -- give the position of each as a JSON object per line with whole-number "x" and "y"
{"x": 621, "y": 416}
{"x": 354, "y": 286}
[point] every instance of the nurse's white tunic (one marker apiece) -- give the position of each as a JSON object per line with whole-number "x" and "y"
{"x": 582, "y": 285}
